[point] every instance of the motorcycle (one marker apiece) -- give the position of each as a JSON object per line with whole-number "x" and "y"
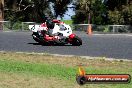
{"x": 61, "y": 34}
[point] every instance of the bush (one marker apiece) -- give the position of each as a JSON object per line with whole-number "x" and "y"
{"x": 17, "y": 26}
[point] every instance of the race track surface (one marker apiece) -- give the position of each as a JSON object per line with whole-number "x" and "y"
{"x": 111, "y": 46}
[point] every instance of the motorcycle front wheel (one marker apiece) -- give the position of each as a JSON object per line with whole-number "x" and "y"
{"x": 77, "y": 41}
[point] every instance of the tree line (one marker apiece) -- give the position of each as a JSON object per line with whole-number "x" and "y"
{"x": 103, "y": 12}
{"x": 86, "y": 11}
{"x": 34, "y": 10}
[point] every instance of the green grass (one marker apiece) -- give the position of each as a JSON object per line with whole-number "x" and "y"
{"x": 63, "y": 68}
{"x": 51, "y": 70}
{"x": 68, "y": 22}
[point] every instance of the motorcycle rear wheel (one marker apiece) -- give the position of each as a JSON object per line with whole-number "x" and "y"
{"x": 77, "y": 41}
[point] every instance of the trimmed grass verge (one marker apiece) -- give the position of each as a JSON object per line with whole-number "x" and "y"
{"x": 50, "y": 70}
{"x": 58, "y": 69}
{"x": 68, "y": 22}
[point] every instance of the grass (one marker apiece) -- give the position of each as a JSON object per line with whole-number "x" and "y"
{"x": 68, "y": 22}
{"x": 52, "y": 70}
{"x": 19, "y": 70}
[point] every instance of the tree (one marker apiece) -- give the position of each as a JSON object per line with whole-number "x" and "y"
{"x": 90, "y": 10}
{"x": 126, "y": 13}
{"x": 40, "y": 9}
{"x": 1, "y": 9}
{"x": 17, "y": 10}
{"x": 103, "y": 11}
{"x": 112, "y": 4}
{"x": 120, "y": 11}
{"x": 34, "y": 10}
{"x": 99, "y": 13}
{"x": 1, "y": 12}
{"x": 84, "y": 7}
{"x": 60, "y": 7}
{"x": 26, "y": 10}
{"x": 79, "y": 18}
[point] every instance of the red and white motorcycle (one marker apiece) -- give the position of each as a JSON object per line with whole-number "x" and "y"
{"x": 61, "y": 34}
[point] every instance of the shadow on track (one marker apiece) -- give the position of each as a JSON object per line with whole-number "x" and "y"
{"x": 48, "y": 44}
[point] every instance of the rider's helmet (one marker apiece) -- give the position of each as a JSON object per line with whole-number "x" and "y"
{"x": 50, "y": 24}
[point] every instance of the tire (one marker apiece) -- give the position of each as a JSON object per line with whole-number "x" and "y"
{"x": 36, "y": 37}
{"x": 77, "y": 41}
{"x": 81, "y": 80}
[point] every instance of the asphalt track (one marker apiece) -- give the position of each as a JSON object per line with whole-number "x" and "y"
{"x": 104, "y": 45}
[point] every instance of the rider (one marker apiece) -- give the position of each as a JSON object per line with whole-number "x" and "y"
{"x": 47, "y": 25}
{"x": 50, "y": 27}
